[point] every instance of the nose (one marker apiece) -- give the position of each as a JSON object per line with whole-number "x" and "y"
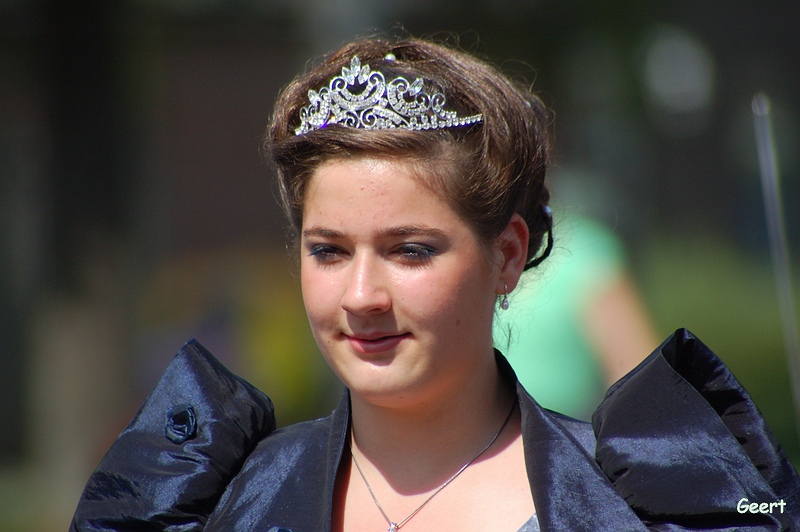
{"x": 366, "y": 290}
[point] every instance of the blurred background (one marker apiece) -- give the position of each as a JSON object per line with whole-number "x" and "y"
{"x": 137, "y": 211}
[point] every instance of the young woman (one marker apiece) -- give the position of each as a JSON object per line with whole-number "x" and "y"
{"x": 414, "y": 177}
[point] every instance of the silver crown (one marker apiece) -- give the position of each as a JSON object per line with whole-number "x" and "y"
{"x": 378, "y": 104}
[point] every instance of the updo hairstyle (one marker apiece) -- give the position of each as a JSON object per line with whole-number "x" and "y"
{"x": 486, "y": 171}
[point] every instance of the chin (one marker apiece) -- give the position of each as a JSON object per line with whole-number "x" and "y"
{"x": 376, "y": 382}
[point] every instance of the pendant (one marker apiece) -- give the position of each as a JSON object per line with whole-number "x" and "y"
{"x": 392, "y": 527}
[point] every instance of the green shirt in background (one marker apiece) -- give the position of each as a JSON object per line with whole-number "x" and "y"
{"x": 543, "y": 334}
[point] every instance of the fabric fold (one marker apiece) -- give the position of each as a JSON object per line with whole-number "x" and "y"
{"x": 682, "y": 443}
{"x": 167, "y": 470}
{"x": 677, "y": 444}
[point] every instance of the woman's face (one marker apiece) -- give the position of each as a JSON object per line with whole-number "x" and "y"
{"x": 399, "y": 291}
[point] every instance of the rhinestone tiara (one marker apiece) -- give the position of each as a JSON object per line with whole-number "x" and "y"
{"x": 361, "y": 98}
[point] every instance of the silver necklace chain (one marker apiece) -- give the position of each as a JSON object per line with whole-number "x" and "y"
{"x": 394, "y": 526}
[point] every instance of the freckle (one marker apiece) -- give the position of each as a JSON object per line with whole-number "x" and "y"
{"x": 458, "y": 322}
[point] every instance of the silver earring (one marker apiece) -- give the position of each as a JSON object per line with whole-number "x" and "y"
{"x": 504, "y": 302}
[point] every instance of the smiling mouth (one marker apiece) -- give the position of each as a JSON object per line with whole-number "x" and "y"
{"x": 376, "y": 344}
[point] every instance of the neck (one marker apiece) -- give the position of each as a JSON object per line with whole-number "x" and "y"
{"x": 416, "y": 448}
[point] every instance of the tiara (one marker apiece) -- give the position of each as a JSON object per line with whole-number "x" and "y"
{"x": 376, "y": 104}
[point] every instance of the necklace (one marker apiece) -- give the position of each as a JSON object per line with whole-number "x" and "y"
{"x": 395, "y": 526}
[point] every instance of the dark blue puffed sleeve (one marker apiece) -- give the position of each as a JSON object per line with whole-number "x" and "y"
{"x": 167, "y": 470}
{"x": 683, "y": 444}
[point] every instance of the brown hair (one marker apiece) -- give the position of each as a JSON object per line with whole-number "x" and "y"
{"x": 493, "y": 169}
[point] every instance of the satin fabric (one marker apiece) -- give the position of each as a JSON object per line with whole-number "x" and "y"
{"x": 160, "y": 474}
{"x": 675, "y": 445}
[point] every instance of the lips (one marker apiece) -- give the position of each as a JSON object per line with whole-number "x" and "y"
{"x": 372, "y": 344}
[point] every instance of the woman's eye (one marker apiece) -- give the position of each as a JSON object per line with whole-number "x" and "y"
{"x": 416, "y": 252}
{"x": 324, "y": 252}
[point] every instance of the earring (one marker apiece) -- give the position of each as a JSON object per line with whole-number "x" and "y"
{"x": 504, "y": 302}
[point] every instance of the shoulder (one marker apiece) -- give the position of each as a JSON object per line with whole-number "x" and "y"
{"x": 580, "y": 431}
{"x": 676, "y": 442}
{"x": 682, "y": 419}
{"x": 169, "y": 467}
{"x": 286, "y": 478}
{"x": 289, "y": 444}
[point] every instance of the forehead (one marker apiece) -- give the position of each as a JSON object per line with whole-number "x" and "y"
{"x": 369, "y": 189}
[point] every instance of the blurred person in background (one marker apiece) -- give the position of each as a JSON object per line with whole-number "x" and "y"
{"x": 577, "y": 324}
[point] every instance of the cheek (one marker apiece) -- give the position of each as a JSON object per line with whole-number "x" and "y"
{"x": 317, "y": 296}
{"x": 450, "y": 300}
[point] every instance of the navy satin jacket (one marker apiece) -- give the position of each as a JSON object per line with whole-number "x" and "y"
{"x": 676, "y": 444}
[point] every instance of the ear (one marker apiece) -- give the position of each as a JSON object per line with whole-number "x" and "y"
{"x": 512, "y": 248}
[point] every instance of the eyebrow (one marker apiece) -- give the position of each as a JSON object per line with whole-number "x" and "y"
{"x": 402, "y": 230}
{"x": 411, "y": 230}
{"x": 321, "y": 232}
